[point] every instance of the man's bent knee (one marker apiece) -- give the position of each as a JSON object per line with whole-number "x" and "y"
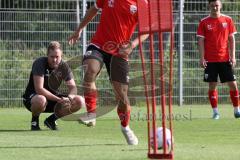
{"x": 38, "y": 103}
{"x": 39, "y": 100}
{"x": 77, "y": 103}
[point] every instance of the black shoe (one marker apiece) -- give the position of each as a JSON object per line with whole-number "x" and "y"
{"x": 237, "y": 114}
{"x": 35, "y": 126}
{"x": 50, "y": 124}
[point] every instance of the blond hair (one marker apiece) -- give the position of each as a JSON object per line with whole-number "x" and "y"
{"x": 54, "y": 45}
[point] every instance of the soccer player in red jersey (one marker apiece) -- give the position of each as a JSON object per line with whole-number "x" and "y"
{"x": 216, "y": 44}
{"x": 111, "y": 46}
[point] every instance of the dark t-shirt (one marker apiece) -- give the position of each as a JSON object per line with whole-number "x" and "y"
{"x": 52, "y": 78}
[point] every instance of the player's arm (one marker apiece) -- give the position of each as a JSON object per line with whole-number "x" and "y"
{"x": 136, "y": 41}
{"x": 91, "y": 13}
{"x": 232, "y": 49}
{"x": 203, "y": 62}
{"x": 72, "y": 88}
{"x": 127, "y": 48}
{"x": 38, "y": 85}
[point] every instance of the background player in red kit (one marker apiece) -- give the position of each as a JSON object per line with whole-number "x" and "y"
{"x": 110, "y": 45}
{"x": 216, "y": 44}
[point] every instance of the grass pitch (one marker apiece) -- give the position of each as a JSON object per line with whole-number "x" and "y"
{"x": 196, "y": 137}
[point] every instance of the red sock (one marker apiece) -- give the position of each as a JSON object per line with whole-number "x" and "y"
{"x": 235, "y": 98}
{"x": 124, "y": 117}
{"x": 213, "y": 98}
{"x": 91, "y": 101}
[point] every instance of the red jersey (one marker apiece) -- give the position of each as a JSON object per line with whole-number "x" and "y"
{"x": 117, "y": 24}
{"x": 216, "y": 32}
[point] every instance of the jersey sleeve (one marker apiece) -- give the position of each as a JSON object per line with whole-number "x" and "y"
{"x": 99, "y": 4}
{"x": 38, "y": 67}
{"x": 232, "y": 28}
{"x": 69, "y": 75}
{"x": 200, "y": 30}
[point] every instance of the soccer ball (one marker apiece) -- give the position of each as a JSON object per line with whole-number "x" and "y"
{"x": 160, "y": 138}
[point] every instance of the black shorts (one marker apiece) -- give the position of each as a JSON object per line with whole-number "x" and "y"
{"x": 50, "y": 104}
{"x": 222, "y": 69}
{"x": 117, "y": 67}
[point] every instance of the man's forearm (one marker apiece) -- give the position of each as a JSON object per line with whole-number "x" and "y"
{"x": 72, "y": 90}
{"x": 136, "y": 42}
{"x": 232, "y": 47}
{"x": 201, "y": 47}
{"x": 91, "y": 13}
{"x": 47, "y": 94}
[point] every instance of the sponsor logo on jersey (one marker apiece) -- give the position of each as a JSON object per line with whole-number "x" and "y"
{"x": 133, "y": 9}
{"x": 209, "y": 27}
{"x": 111, "y": 3}
{"x": 224, "y": 24}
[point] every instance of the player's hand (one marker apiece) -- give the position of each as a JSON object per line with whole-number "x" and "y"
{"x": 70, "y": 96}
{"x": 74, "y": 37}
{"x": 65, "y": 101}
{"x": 203, "y": 63}
{"x": 233, "y": 62}
{"x": 125, "y": 50}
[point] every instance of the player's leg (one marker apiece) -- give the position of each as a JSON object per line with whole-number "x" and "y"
{"x": 92, "y": 63}
{"x": 50, "y": 121}
{"x": 90, "y": 90}
{"x": 119, "y": 77}
{"x": 213, "y": 98}
{"x": 38, "y": 105}
{"x": 58, "y": 110}
{"x": 210, "y": 76}
{"x": 234, "y": 95}
{"x": 123, "y": 110}
{"x": 227, "y": 75}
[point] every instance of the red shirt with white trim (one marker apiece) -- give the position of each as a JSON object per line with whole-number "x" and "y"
{"x": 117, "y": 24}
{"x": 216, "y": 32}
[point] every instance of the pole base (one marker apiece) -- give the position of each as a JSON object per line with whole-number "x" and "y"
{"x": 160, "y": 156}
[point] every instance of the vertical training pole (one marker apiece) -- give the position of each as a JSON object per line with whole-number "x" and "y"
{"x": 155, "y": 17}
{"x": 146, "y": 92}
{"x": 153, "y": 94}
{"x": 162, "y": 85}
{"x": 171, "y": 82}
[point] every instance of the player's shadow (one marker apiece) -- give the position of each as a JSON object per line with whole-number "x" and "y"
{"x": 15, "y": 130}
{"x": 62, "y": 146}
{"x": 22, "y": 130}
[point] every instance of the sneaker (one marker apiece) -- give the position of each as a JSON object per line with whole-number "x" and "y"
{"x": 130, "y": 137}
{"x": 237, "y": 114}
{"x": 35, "y": 126}
{"x": 50, "y": 124}
{"x": 89, "y": 119}
{"x": 215, "y": 116}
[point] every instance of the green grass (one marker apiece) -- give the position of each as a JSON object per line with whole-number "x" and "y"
{"x": 196, "y": 137}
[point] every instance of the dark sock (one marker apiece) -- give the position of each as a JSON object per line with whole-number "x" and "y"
{"x": 53, "y": 117}
{"x": 35, "y": 119}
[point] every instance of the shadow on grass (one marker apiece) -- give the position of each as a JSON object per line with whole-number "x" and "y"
{"x": 15, "y": 130}
{"x": 24, "y": 130}
{"x": 60, "y": 146}
{"x": 134, "y": 149}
